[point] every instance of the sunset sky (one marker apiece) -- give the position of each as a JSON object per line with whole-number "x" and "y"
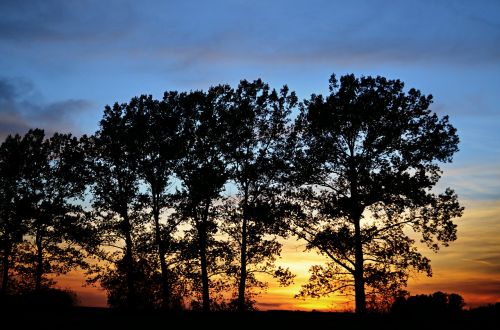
{"x": 61, "y": 62}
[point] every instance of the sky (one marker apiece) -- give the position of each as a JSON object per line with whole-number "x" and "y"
{"x": 61, "y": 62}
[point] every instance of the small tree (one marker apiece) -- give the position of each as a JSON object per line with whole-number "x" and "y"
{"x": 368, "y": 159}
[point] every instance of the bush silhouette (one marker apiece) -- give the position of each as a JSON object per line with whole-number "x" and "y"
{"x": 45, "y": 299}
{"x": 438, "y": 304}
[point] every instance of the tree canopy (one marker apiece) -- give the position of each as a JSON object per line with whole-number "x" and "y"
{"x": 181, "y": 202}
{"x": 256, "y": 154}
{"x": 368, "y": 160}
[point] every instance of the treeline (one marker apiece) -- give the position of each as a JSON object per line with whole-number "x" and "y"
{"x": 180, "y": 202}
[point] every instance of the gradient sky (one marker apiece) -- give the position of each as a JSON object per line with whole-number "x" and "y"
{"x": 62, "y": 61}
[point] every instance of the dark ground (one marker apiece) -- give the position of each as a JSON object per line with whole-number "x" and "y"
{"x": 102, "y": 318}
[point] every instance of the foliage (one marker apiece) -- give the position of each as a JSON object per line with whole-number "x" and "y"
{"x": 181, "y": 202}
{"x": 367, "y": 160}
{"x": 12, "y": 207}
{"x": 436, "y": 304}
{"x": 116, "y": 198}
{"x": 52, "y": 178}
{"x": 156, "y": 130}
{"x": 257, "y": 159}
{"x": 202, "y": 173}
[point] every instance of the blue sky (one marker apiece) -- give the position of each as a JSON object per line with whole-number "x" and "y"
{"x": 61, "y": 62}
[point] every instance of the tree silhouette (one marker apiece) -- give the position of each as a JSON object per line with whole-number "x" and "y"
{"x": 257, "y": 127}
{"x": 438, "y": 304}
{"x": 202, "y": 170}
{"x": 12, "y": 226}
{"x": 354, "y": 175}
{"x": 116, "y": 196}
{"x": 218, "y": 257}
{"x": 368, "y": 159}
{"x": 156, "y": 129}
{"x": 52, "y": 181}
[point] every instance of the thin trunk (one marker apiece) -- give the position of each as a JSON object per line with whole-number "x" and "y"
{"x": 202, "y": 234}
{"x": 243, "y": 256}
{"x": 359, "y": 280}
{"x": 6, "y": 265}
{"x": 356, "y": 212}
{"x": 129, "y": 262}
{"x": 39, "y": 259}
{"x": 161, "y": 252}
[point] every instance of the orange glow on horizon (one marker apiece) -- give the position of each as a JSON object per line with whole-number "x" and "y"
{"x": 470, "y": 267}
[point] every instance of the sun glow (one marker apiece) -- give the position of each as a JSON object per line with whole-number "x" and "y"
{"x": 470, "y": 267}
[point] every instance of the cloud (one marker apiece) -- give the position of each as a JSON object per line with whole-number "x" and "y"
{"x": 473, "y": 182}
{"x": 180, "y": 34}
{"x": 22, "y": 107}
{"x": 471, "y": 265}
{"x": 329, "y": 33}
{"x": 54, "y": 21}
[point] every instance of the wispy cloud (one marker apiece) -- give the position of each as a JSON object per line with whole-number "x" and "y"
{"x": 471, "y": 265}
{"x": 200, "y": 33}
{"x": 22, "y": 107}
{"x": 54, "y": 21}
{"x": 473, "y": 181}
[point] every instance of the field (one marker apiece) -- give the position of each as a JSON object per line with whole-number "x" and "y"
{"x": 102, "y": 318}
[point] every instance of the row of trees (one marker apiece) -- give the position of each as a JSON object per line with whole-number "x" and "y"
{"x": 183, "y": 200}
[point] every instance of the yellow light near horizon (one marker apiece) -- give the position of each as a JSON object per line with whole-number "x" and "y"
{"x": 299, "y": 262}
{"x": 470, "y": 267}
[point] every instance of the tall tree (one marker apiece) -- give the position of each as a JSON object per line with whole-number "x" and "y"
{"x": 52, "y": 180}
{"x": 12, "y": 226}
{"x": 202, "y": 171}
{"x": 115, "y": 189}
{"x": 258, "y": 159}
{"x": 156, "y": 128}
{"x": 369, "y": 161}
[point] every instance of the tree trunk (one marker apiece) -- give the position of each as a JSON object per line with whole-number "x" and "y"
{"x": 243, "y": 256}
{"x": 359, "y": 280}
{"x": 39, "y": 259}
{"x": 6, "y": 265}
{"x": 356, "y": 212}
{"x": 161, "y": 252}
{"x": 202, "y": 235}
{"x": 129, "y": 262}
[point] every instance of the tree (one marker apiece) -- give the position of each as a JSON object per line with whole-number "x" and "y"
{"x": 257, "y": 157}
{"x": 156, "y": 129}
{"x": 202, "y": 171}
{"x": 367, "y": 162}
{"x": 116, "y": 196}
{"x": 52, "y": 180}
{"x": 12, "y": 226}
{"x": 438, "y": 304}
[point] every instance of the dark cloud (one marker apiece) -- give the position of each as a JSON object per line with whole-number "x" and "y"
{"x": 22, "y": 107}
{"x": 270, "y": 305}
